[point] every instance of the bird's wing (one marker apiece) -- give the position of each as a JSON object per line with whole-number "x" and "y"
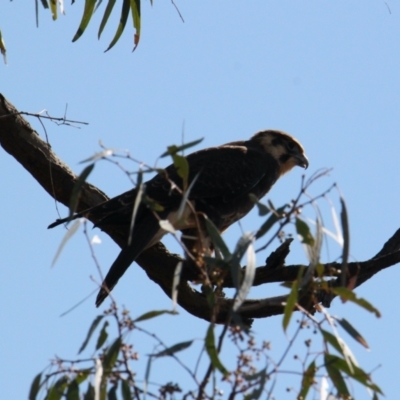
{"x": 229, "y": 170}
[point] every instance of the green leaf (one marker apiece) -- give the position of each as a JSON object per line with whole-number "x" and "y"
{"x": 336, "y": 376}
{"x": 171, "y": 150}
{"x": 107, "y": 13}
{"x": 332, "y": 339}
{"x": 290, "y": 304}
{"x": 153, "y": 314}
{"x": 257, "y": 392}
{"x": 352, "y": 332}
{"x": 112, "y": 354}
{"x": 308, "y": 380}
{"x": 303, "y": 230}
{"x": 89, "y": 395}
{"x": 346, "y": 240}
{"x": 82, "y": 375}
{"x": 355, "y": 372}
{"x": 249, "y": 272}
{"x": 212, "y": 351}
{"x": 90, "y": 332}
{"x": 53, "y": 8}
{"x": 138, "y": 200}
{"x": 122, "y": 23}
{"x": 269, "y": 223}
{"x": 87, "y": 15}
{"x": 76, "y": 190}
{"x": 347, "y": 294}
{"x": 135, "y": 11}
{"x": 70, "y": 232}
{"x": 3, "y": 49}
{"x": 57, "y": 390}
{"x": 103, "y": 336}
{"x": 98, "y": 156}
{"x": 35, "y": 387}
{"x": 126, "y": 390}
{"x": 217, "y": 238}
{"x": 73, "y": 391}
{"x": 262, "y": 208}
{"x": 173, "y": 349}
{"x": 112, "y": 393}
{"x": 182, "y": 168}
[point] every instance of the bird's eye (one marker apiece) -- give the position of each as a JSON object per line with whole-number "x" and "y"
{"x": 290, "y": 146}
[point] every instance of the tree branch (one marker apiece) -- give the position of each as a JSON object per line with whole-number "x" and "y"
{"x": 19, "y": 140}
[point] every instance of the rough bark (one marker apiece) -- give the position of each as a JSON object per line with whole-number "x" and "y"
{"x": 19, "y": 140}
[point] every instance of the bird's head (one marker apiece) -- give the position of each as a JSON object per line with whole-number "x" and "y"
{"x": 286, "y": 150}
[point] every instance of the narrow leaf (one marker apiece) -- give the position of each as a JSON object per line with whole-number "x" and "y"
{"x": 98, "y": 376}
{"x": 356, "y": 373}
{"x": 249, "y": 274}
{"x": 185, "y": 197}
{"x": 175, "y": 284}
{"x": 352, "y": 332}
{"x": 82, "y": 375}
{"x": 153, "y": 314}
{"x": 53, "y": 8}
{"x": 347, "y": 294}
{"x": 308, "y": 380}
{"x": 35, "y": 387}
{"x": 290, "y": 304}
{"x": 70, "y": 232}
{"x": 167, "y": 226}
{"x": 346, "y": 240}
{"x": 336, "y": 376}
{"x": 112, "y": 354}
{"x": 73, "y": 391}
{"x": 89, "y": 395}
{"x": 107, "y": 13}
{"x": 182, "y": 168}
{"x": 98, "y": 156}
{"x": 87, "y": 15}
{"x": 76, "y": 190}
{"x": 44, "y": 4}
{"x": 102, "y": 336}
{"x": 126, "y": 390}
{"x": 262, "y": 208}
{"x": 257, "y": 392}
{"x": 171, "y": 150}
{"x": 122, "y": 23}
{"x": 212, "y": 351}
{"x": 269, "y": 223}
{"x": 112, "y": 393}
{"x": 173, "y": 349}
{"x": 303, "y": 230}
{"x": 3, "y": 49}
{"x": 135, "y": 11}
{"x": 139, "y": 196}
{"x": 92, "y": 328}
{"x": 217, "y": 239}
{"x": 332, "y": 340}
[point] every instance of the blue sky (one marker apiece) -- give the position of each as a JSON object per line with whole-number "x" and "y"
{"x": 327, "y": 72}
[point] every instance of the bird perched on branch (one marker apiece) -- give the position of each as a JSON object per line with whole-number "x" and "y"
{"x": 218, "y": 185}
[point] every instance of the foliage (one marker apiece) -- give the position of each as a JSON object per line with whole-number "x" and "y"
{"x": 324, "y": 361}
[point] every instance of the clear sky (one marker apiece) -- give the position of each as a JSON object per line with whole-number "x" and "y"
{"x": 327, "y": 72}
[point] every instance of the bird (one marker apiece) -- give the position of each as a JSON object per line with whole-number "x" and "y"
{"x": 220, "y": 183}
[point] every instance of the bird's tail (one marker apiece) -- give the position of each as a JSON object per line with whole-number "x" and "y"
{"x": 142, "y": 238}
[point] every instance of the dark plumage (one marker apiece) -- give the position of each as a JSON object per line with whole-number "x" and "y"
{"x": 226, "y": 175}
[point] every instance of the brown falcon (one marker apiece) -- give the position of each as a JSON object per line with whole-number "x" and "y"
{"x": 224, "y": 177}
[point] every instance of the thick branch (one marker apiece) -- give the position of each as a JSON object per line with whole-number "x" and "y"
{"x": 24, "y": 144}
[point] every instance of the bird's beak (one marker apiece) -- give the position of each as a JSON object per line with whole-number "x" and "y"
{"x": 302, "y": 160}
